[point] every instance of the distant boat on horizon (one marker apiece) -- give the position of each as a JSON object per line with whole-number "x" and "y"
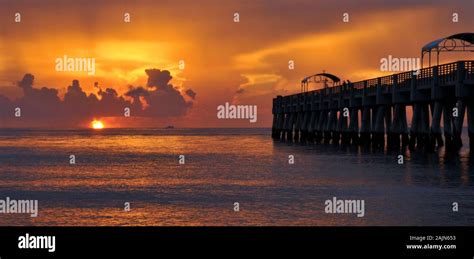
{"x": 169, "y": 127}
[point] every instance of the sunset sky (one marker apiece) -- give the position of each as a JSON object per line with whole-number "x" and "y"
{"x": 241, "y": 63}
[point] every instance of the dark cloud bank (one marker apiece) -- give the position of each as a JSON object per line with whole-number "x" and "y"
{"x": 158, "y": 99}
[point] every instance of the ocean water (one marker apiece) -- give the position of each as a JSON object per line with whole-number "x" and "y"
{"x": 224, "y": 166}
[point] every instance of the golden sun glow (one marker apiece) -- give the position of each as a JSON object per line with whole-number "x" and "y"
{"x": 96, "y": 124}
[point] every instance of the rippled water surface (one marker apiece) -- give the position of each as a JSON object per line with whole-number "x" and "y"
{"x": 223, "y": 166}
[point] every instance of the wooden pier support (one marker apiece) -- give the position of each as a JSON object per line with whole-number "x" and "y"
{"x": 378, "y": 135}
{"x": 423, "y": 139}
{"x": 366, "y": 126}
{"x": 436, "y": 139}
{"x": 416, "y": 113}
{"x": 289, "y": 123}
{"x": 311, "y": 126}
{"x": 470, "y": 125}
{"x": 322, "y": 126}
{"x": 395, "y": 131}
{"x": 305, "y": 127}
{"x": 448, "y": 125}
{"x": 343, "y": 128}
{"x": 404, "y": 126}
{"x": 354, "y": 138}
{"x": 278, "y": 123}
{"x": 458, "y": 123}
{"x": 331, "y": 136}
{"x": 297, "y": 126}
{"x": 388, "y": 126}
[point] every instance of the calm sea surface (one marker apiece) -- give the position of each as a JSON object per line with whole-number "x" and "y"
{"x": 223, "y": 166}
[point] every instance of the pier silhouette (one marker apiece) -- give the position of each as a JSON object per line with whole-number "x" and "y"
{"x": 333, "y": 114}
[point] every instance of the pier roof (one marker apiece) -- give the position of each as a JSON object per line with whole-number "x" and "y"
{"x": 464, "y": 37}
{"x": 458, "y": 42}
{"x": 307, "y": 80}
{"x": 334, "y": 78}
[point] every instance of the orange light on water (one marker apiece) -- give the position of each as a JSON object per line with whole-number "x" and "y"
{"x": 96, "y": 124}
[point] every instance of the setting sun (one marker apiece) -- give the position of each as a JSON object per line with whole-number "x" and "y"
{"x": 97, "y": 124}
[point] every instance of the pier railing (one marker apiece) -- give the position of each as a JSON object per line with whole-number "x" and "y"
{"x": 443, "y": 75}
{"x": 446, "y": 74}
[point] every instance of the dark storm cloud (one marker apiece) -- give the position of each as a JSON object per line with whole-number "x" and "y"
{"x": 160, "y": 100}
{"x": 158, "y": 78}
{"x": 137, "y": 92}
{"x": 191, "y": 93}
{"x": 41, "y": 102}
